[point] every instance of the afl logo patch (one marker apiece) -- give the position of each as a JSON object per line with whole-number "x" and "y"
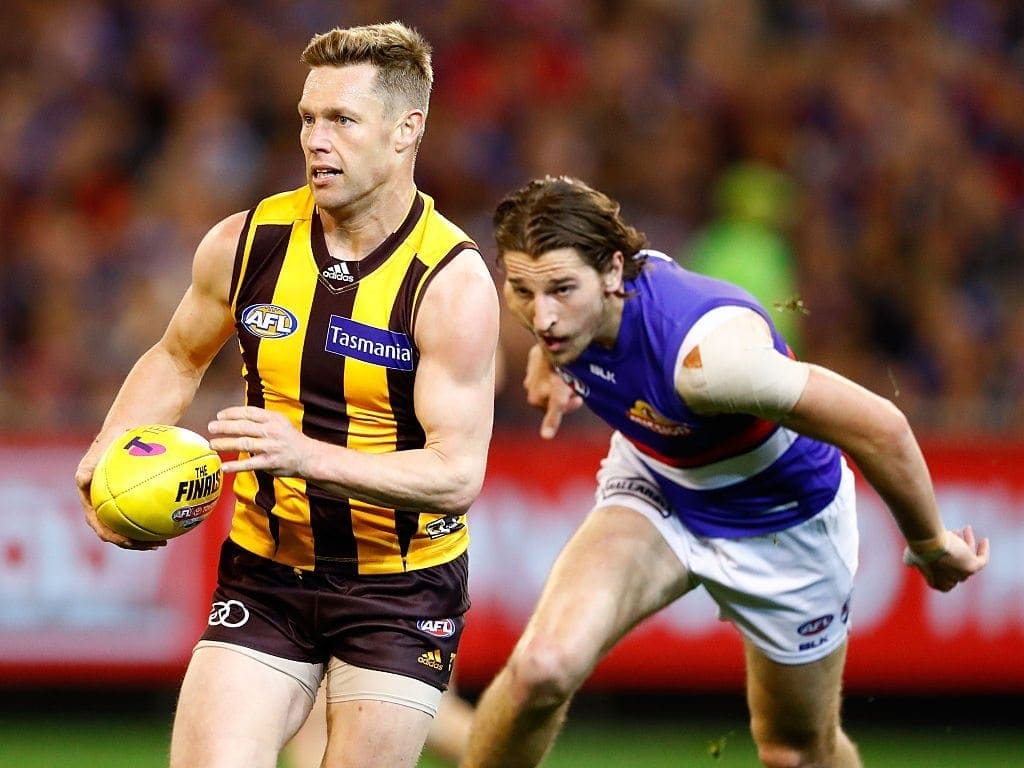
{"x": 269, "y": 321}
{"x": 436, "y": 627}
{"x": 814, "y": 626}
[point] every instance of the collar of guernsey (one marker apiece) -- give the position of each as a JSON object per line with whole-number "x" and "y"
{"x": 726, "y": 476}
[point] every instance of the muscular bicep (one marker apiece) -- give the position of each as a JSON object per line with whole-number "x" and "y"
{"x": 457, "y": 334}
{"x": 735, "y": 368}
{"x": 203, "y": 320}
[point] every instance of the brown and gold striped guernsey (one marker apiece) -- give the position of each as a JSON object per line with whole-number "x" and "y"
{"x": 329, "y": 344}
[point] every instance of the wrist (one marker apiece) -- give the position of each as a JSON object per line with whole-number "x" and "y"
{"x": 923, "y": 551}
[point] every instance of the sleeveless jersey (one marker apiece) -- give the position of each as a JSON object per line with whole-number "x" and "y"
{"x": 330, "y": 344}
{"x": 729, "y": 475}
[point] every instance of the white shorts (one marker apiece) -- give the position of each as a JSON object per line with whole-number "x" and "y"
{"x": 787, "y": 592}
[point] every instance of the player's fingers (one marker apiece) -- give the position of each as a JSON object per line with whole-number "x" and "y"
{"x": 112, "y": 537}
{"x": 983, "y": 552}
{"x": 250, "y": 413}
{"x": 552, "y": 419}
{"x": 231, "y": 412}
{"x": 233, "y": 466}
{"x": 234, "y": 427}
{"x": 140, "y": 546}
{"x": 236, "y": 443}
{"x": 84, "y": 497}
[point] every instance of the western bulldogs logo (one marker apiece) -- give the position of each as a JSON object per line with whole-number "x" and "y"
{"x": 579, "y": 386}
{"x": 643, "y": 413}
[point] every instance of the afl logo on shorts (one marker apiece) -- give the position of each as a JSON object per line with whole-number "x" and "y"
{"x": 269, "y": 321}
{"x": 814, "y": 626}
{"x": 436, "y": 627}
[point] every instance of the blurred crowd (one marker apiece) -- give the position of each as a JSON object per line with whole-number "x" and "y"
{"x": 860, "y": 161}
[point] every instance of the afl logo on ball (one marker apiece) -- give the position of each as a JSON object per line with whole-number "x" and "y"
{"x": 269, "y": 321}
{"x": 436, "y": 627}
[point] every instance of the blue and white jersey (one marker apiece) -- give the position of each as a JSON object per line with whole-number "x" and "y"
{"x": 729, "y": 475}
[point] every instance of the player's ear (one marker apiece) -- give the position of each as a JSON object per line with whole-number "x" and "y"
{"x": 612, "y": 277}
{"x": 409, "y": 129}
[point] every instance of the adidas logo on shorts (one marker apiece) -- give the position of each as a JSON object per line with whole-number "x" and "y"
{"x": 432, "y": 659}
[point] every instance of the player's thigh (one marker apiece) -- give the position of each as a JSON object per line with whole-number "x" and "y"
{"x": 234, "y": 710}
{"x": 794, "y": 704}
{"x": 306, "y": 748}
{"x": 367, "y": 734}
{"x": 614, "y": 571}
{"x": 449, "y": 732}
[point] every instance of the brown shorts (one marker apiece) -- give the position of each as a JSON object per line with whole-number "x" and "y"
{"x": 406, "y": 623}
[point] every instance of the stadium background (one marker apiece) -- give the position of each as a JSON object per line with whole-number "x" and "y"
{"x": 865, "y": 159}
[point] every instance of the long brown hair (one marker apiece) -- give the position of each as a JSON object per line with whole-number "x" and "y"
{"x": 563, "y": 212}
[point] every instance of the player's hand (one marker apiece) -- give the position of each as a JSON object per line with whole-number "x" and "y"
{"x": 546, "y": 390}
{"x": 262, "y": 439}
{"x": 964, "y": 557}
{"x": 83, "y": 479}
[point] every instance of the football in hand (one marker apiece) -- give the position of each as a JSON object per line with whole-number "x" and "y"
{"x": 156, "y": 482}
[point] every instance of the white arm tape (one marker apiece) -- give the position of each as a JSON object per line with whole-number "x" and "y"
{"x": 735, "y": 369}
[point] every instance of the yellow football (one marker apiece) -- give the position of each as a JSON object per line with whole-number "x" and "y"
{"x": 156, "y": 482}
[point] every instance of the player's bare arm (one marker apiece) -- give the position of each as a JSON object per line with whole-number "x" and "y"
{"x": 735, "y": 369}
{"x": 162, "y": 383}
{"x": 456, "y": 333}
{"x": 878, "y": 438}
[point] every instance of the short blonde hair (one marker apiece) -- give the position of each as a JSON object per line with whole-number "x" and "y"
{"x": 400, "y": 54}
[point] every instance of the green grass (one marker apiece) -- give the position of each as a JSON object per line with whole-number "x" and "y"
{"x": 140, "y": 741}
{"x": 80, "y": 742}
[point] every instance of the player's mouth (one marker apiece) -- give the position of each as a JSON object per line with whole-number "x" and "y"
{"x": 554, "y": 344}
{"x": 322, "y": 174}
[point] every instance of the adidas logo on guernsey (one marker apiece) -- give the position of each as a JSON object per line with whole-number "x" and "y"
{"x": 338, "y": 271}
{"x": 432, "y": 659}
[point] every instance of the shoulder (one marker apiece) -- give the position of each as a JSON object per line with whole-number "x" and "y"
{"x": 460, "y": 301}
{"x": 221, "y": 240}
{"x": 285, "y": 207}
{"x": 215, "y": 255}
{"x": 464, "y": 277}
{"x": 435, "y": 237}
{"x": 729, "y": 364}
{"x": 442, "y": 223}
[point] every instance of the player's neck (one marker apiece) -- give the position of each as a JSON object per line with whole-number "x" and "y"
{"x": 358, "y": 228}
{"x": 611, "y": 321}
